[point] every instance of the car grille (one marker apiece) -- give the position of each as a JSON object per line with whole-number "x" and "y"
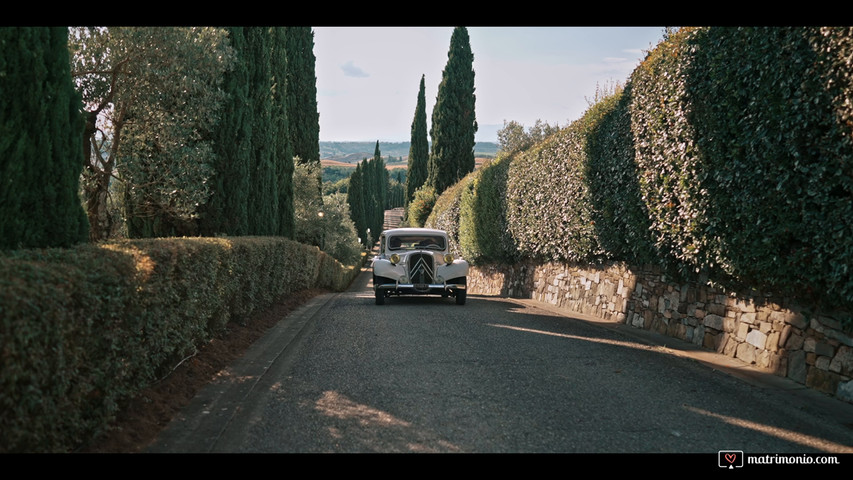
{"x": 421, "y": 269}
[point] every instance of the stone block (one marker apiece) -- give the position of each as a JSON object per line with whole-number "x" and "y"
{"x": 842, "y": 362}
{"x": 716, "y": 309}
{"x": 773, "y": 342}
{"x": 756, "y": 338}
{"x": 786, "y": 316}
{"x": 746, "y": 353}
{"x": 762, "y": 359}
{"x": 742, "y": 331}
{"x": 822, "y": 381}
{"x": 744, "y": 305}
{"x": 797, "y": 367}
{"x": 778, "y": 364}
{"x": 713, "y": 321}
{"x": 824, "y": 349}
{"x": 711, "y": 341}
{"x": 795, "y": 341}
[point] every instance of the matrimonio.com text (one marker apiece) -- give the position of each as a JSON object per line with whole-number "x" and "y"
{"x": 732, "y": 459}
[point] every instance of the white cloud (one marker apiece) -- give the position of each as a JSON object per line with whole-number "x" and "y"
{"x": 350, "y": 70}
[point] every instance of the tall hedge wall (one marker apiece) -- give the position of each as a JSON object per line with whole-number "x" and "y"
{"x": 727, "y": 156}
{"x": 85, "y": 328}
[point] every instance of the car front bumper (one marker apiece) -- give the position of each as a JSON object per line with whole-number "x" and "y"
{"x": 419, "y": 288}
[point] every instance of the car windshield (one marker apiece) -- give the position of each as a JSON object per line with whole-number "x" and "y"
{"x": 414, "y": 242}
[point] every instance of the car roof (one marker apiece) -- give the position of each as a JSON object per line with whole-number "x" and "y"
{"x": 414, "y": 231}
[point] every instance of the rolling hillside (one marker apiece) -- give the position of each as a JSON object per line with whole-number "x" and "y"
{"x": 354, "y": 152}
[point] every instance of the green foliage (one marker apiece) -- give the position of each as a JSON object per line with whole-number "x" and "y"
{"x": 745, "y": 166}
{"x": 421, "y": 206}
{"x": 83, "y": 330}
{"x": 358, "y": 150}
{"x": 333, "y": 174}
{"x": 282, "y": 59}
{"x": 419, "y": 151}
{"x": 152, "y": 97}
{"x": 734, "y": 172}
{"x": 339, "y": 234}
{"x": 780, "y": 185}
{"x": 367, "y": 196}
{"x": 302, "y": 112}
{"x": 453, "y": 117}
{"x": 396, "y": 193}
{"x": 40, "y": 145}
{"x": 355, "y": 199}
{"x": 548, "y": 210}
{"x": 263, "y": 190}
{"x": 308, "y": 204}
{"x": 484, "y": 234}
{"x": 513, "y": 138}
{"x": 619, "y": 214}
{"x": 226, "y": 212}
{"x": 444, "y": 213}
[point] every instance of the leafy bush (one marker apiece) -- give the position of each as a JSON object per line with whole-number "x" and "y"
{"x": 445, "y": 212}
{"x": 484, "y": 234}
{"x": 735, "y": 171}
{"x": 619, "y": 215}
{"x": 340, "y": 239}
{"x": 548, "y": 209}
{"x": 83, "y": 329}
{"x": 421, "y": 206}
{"x": 746, "y": 166}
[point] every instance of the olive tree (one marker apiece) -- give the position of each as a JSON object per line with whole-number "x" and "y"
{"x": 151, "y": 95}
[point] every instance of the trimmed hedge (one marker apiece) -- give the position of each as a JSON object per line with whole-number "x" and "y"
{"x": 747, "y": 165}
{"x": 727, "y": 157}
{"x": 444, "y": 215}
{"x": 84, "y": 329}
{"x": 484, "y": 233}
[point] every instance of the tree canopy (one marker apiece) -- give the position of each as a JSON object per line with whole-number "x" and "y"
{"x": 41, "y": 152}
{"x": 419, "y": 147}
{"x": 152, "y": 96}
{"x": 453, "y": 117}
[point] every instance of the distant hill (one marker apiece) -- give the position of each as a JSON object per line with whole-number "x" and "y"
{"x": 354, "y": 152}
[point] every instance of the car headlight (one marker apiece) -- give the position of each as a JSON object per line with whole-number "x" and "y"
{"x": 395, "y": 259}
{"x": 448, "y": 258}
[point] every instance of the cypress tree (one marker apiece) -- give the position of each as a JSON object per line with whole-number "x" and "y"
{"x": 369, "y": 190}
{"x": 263, "y": 197}
{"x": 355, "y": 199}
{"x": 283, "y": 154}
{"x": 226, "y": 212}
{"x": 379, "y": 192}
{"x": 418, "y": 149}
{"x": 303, "y": 116}
{"x": 41, "y": 149}
{"x": 453, "y": 118}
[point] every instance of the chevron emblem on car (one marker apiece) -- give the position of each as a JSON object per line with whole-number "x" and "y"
{"x": 422, "y": 269}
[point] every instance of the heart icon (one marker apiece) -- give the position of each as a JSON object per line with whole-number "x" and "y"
{"x": 731, "y": 457}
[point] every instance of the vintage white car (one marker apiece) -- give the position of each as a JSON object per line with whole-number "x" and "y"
{"x": 417, "y": 261}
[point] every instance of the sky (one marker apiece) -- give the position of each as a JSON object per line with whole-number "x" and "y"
{"x": 368, "y": 77}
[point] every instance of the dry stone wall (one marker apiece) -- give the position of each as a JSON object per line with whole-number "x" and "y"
{"x": 767, "y": 332}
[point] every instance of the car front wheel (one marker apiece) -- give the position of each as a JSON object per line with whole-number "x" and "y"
{"x": 380, "y": 297}
{"x": 460, "y": 297}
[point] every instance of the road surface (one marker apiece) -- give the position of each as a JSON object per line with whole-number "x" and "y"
{"x": 342, "y": 375}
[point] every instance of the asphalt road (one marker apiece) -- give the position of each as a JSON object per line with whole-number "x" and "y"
{"x": 342, "y": 375}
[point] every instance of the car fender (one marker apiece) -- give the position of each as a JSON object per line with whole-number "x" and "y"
{"x": 459, "y": 268}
